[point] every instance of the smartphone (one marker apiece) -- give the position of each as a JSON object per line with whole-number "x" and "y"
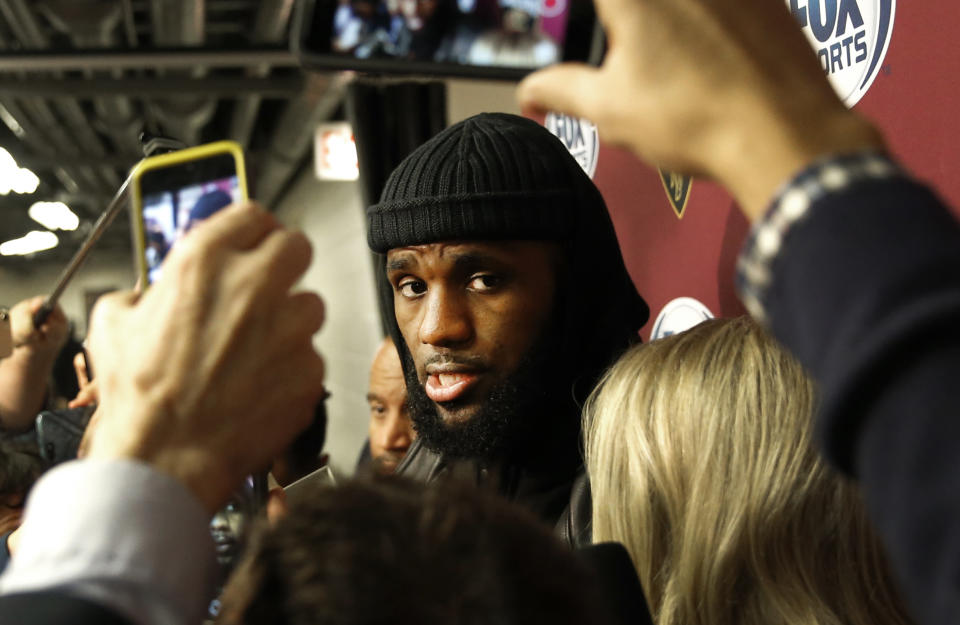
{"x": 302, "y": 488}
{"x": 492, "y": 39}
{"x": 173, "y": 192}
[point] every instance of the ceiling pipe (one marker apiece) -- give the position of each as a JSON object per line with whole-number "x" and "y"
{"x": 103, "y": 179}
{"x": 270, "y": 25}
{"x": 95, "y": 24}
{"x": 24, "y": 129}
{"x": 37, "y": 113}
{"x": 293, "y": 135}
{"x": 20, "y": 18}
{"x": 213, "y": 86}
{"x": 159, "y": 59}
{"x": 181, "y": 23}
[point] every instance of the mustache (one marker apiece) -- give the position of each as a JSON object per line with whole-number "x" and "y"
{"x": 389, "y": 457}
{"x": 473, "y": 362}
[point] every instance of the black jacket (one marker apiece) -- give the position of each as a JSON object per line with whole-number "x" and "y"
{"x": 54, "y": 608}
{"x": 557, "y": 492}
{"x": 866, "y": 292}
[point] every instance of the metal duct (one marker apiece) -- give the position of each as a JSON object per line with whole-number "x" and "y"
{"x": 179, "y": 23}
{"x": 95, "y": 24}
{"x": 20, "y": 18}
{"x": 24, "y": 129}
{"x": 270, "y": 25}
{"x": 293, "y": 135}
{"x": 83, "y": 139}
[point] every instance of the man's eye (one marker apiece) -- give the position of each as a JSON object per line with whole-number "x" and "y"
{"x": 411, "y": 288}
{"x": 485, "y": 282}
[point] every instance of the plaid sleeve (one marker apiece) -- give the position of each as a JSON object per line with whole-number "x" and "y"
{"x": 793, "y": 203}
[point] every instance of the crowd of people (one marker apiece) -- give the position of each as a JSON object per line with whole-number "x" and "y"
{"x": 557, "y": 470}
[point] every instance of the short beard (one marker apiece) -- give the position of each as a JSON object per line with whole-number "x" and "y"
{"x": 514, "y": 411}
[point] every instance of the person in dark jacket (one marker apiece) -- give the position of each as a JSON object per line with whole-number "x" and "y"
{"x": 510, "y": 298}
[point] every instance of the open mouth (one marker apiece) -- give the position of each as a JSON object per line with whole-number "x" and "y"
{"x": 449, "y": 386}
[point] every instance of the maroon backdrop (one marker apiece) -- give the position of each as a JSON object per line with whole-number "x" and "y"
{"x": 914, "y": 99}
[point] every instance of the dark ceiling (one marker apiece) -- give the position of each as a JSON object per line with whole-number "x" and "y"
{"x": 80, "y": 80}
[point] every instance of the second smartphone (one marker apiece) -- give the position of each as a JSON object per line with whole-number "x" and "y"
{"x": 173, "y": 192}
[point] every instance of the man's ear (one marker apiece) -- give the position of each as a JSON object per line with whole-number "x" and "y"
{"x": 276, "y": 504}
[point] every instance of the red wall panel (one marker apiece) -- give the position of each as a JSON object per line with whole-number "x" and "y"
{"x": 914, "y": 99}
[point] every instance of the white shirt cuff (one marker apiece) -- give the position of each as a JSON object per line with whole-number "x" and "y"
{"x": 121, "y": 534}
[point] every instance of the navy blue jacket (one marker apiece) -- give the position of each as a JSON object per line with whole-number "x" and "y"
{"x": 866, "y": 292}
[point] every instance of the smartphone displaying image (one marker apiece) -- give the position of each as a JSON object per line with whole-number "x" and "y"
{"x": 173, "y": 192}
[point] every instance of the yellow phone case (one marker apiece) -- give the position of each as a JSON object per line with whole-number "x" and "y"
{"x": 173, "y": 159}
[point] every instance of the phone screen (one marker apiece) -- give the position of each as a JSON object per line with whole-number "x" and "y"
{"x": 503, "y": 39}
{"x": 177, "y": 197}
{"x": 504, "y": 33}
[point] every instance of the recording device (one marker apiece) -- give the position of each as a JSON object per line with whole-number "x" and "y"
{"x": 59, "y": 432}
{"x": 493, "y": 39}
{"x": 173, "y": 192}
{"x": 304, "y": 487}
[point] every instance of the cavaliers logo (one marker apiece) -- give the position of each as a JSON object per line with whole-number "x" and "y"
{"x": 677, "y": 187}
{"x": 851, "y": 38}
{"x": 579, "y": 136}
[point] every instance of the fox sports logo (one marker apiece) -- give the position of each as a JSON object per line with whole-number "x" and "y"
{"x": 579, "y": 136}
{"x": 851, "y": 38}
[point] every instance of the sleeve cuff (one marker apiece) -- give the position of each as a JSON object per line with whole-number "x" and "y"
{"x": 119, "y": 533}
{"x": 792, "y": 204}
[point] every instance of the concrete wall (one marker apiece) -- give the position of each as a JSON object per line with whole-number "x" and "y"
{"x": 100, "y": 272}
{"x": 331, "y": 215}
{"x": 469, "y": 97}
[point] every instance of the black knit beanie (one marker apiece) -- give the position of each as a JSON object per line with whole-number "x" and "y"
{"x": 492, "y": 176}
{"x": 498, "y": 176}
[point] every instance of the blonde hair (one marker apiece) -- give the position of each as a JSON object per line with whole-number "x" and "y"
{"x": 701, "y": 464}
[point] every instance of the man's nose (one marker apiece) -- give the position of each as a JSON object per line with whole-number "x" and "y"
{"x": 398, "y": 433}
{"x": 446, "y": 320}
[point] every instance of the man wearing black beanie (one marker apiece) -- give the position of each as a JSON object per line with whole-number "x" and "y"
{"x": 510, "y": 298}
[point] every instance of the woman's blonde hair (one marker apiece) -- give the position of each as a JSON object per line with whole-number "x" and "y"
{"x": 701, "y": 464}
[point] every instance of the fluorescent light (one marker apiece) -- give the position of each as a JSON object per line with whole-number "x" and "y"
{"x": 15, "y": 178}
{"x": 35, "y": 241}
{"x": 335, "y": 152}
{"x": 54, "y": 216}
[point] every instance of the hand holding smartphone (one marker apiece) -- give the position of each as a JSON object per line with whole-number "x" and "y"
{"x": 172, "y": 192}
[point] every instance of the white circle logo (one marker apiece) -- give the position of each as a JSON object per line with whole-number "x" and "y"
{"x": 552, "y": 8}
{"x": 851, "y": 38}
{"x": 579, "y": 136}
{"x": 678, "y": 316}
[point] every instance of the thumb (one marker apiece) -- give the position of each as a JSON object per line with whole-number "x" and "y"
{"x": 566, "y": 88}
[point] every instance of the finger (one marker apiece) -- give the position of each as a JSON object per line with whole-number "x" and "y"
{"x": 88, "y": 434}
{"x": 35, "y": 303}
{"x": 111, "y": 304}
{"x": 239, "y": 226}
{"x": 87, "y": 396}
{"x": 106, "y": 311}
{"x": 283, "y": 257}
{"x": 564, "y": 88}
{"x": 276, "y": 504}
{"x": 80, "y": 368}
{"x": 299, "y": 318}
{"x": 55, "y": 323}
